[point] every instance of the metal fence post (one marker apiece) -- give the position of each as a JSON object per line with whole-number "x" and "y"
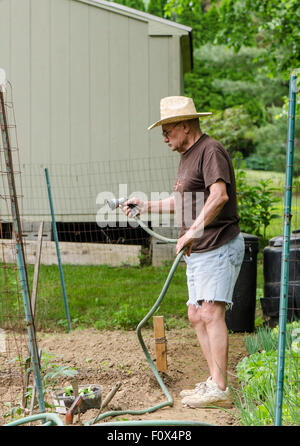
{"x": 55, "y": 234}
{"x": 286, "y": 251}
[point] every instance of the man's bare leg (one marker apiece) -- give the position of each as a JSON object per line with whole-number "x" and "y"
{"x": 210, "y": 327}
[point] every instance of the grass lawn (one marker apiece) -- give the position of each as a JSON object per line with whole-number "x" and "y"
{"x": 103, "y": 297}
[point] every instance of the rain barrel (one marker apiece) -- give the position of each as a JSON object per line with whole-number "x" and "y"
{"x": 272, "y": 277}
{"x": 241, "y": 318}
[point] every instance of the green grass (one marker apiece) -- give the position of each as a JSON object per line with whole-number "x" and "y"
{"x": 277, "y": 178}
{"x": 105, "y": 297}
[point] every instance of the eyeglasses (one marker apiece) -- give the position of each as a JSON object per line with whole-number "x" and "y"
{"x": 166, "y": 133}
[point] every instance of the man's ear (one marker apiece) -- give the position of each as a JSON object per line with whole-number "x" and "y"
{"x": 186, "y": 126}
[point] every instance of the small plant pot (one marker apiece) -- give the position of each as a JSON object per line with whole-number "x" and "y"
{"x": 91, "y": 400}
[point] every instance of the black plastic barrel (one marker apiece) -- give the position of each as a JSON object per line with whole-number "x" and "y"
{"x": 272, "y": 278}
{"x": 241, "y": 318}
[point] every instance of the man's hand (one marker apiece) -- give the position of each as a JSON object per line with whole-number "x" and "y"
{"x": 137, "y": 202}
{"x": 187, "y": 241}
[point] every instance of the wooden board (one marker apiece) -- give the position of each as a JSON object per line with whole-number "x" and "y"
{"x": 74, "y": 253}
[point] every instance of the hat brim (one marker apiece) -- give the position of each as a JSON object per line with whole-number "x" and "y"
{"x": 171, "y": 119}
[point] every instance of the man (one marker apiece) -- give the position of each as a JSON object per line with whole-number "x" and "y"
{"x": 214, "y": 247}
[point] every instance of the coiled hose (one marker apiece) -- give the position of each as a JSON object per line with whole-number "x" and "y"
{"x": 169, "y": 401}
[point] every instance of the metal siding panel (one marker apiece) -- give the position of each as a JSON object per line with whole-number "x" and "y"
{"x": 20, "y": 75}
{"x": 5, "y": 36}
{"x": 158, "y": 88}
{"x": 162, "y": 162}
{"x": 119, "y": 96}
{"x": 138, "y": 178}
{"x": 40, "y": 81}
{"x": 60, "y": 79}
{"x": 138, "y": 89}
{"x": 79, "y": 83}
{"x": 174, "y": 66}
{"x": 100, "y": 84}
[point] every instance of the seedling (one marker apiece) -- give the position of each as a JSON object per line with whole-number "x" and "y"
{"x": 87, "y": 391}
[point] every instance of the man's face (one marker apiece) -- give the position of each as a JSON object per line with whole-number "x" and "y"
{"x": 175, "y": 136}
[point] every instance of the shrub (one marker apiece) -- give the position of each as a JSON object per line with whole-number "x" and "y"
{"x": 255, "y": 203}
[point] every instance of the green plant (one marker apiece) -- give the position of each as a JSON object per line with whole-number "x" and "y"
{"x": 257, "y": 375}
{"x": 256, "y": 203}
{"x": 51, "y": 372}
{"x": 14, "y": 412}
{"x": 86, "y": 391}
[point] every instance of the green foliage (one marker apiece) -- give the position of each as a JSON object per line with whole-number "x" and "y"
{"x": 256, "y": 203}
{"x": 272, "y": 24}
{"x": 231, "y": 127}
{"x": 224, "y": 79}
{"x": 270, "y": 143}
{"x": 263, "y": 339}
{"x": 50, "y": 374}
{"x": 86, "y": 391}
{"x": 257, "y": 374}
{"x": 156, "y": 7}
{"x": 135, "y": 4}
{"x": 244, "y": 53}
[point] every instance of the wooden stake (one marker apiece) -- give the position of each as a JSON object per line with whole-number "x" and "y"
{"x": 37, "y": 267}
{"x": 160, "y": 343}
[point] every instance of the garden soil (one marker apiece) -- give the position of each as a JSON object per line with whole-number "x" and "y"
{"x": 108, "y": 357}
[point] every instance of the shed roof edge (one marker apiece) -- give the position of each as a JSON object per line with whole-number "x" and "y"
{"x": 134, "y": 12}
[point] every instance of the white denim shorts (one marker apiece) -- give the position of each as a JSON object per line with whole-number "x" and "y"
{"x": 211, "y": 276}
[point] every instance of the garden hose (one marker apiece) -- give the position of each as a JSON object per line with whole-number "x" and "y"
{"x": 50, "y": 419}
{"x": 169, "y": 401}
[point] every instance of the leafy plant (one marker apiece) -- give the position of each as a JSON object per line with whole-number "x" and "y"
{"x": 256, "y": 203}
{"x": 87, "y": 391}
{"x": 51, "y": 372}
{"x": 257, "y": 374}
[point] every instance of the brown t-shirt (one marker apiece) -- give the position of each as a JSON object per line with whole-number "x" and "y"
{"x": 200, "y": 166}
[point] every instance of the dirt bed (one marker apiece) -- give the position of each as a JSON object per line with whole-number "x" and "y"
{"x": 105, "y": 358}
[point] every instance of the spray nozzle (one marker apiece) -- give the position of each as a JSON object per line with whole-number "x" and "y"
{"x": 113, "y": 204}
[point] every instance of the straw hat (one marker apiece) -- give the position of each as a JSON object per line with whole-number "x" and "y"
{"x": 176, "y": 109}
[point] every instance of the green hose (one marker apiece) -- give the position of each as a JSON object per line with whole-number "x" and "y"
{"x": 155, "y": 423}
{"x": 54, "y": 419}
{"x": 48, "y": 419}
{"x": 169, "y": 401}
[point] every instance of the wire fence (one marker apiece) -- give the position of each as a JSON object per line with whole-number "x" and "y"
{"x": 91, "y": 235}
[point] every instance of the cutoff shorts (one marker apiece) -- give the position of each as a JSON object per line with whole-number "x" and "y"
{"x": 211, "y": 275}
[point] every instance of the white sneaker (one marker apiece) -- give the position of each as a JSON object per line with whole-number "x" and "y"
{"x": 199, "y": 388}
{"x": 213, "y": 396}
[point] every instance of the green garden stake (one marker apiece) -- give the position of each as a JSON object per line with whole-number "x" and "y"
{"x": 61, "y": 273}
{"x": 286, "y": 250}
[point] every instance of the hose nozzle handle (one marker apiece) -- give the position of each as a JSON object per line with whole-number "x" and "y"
{"x": 113, "y": 204}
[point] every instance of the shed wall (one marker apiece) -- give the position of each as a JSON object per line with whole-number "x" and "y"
{"x": 86, "y": 84}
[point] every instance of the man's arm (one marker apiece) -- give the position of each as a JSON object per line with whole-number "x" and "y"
{"x": 213, "y": 206}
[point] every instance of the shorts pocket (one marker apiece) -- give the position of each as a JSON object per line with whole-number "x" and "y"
{"x": 236, "y": 250}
